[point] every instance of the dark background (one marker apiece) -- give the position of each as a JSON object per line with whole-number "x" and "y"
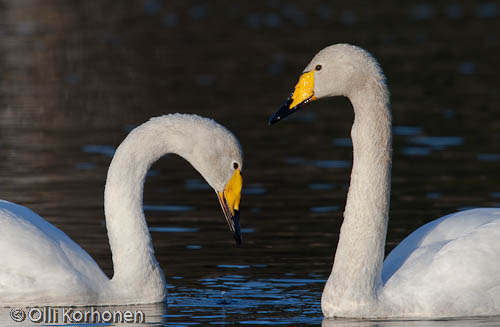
{"x": 80, "y": 73}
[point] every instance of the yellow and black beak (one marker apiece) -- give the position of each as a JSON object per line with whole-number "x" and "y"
{"x": 303, "y": 94}
{"x": 229, "y": 200}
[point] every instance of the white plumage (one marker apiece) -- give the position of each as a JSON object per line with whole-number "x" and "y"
{"x": 449, "y": 267}
{"x": 41, "y": 265}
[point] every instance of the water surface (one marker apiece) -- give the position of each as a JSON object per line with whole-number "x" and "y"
{"x": 75, "y": 77}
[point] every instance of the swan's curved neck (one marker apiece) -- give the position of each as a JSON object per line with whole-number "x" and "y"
{"x": 356, "y": 272}
{"x": 133, "y": 255}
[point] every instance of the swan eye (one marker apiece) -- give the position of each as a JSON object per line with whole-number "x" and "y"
{"x": 235, "y": 165}
{"x": 318, "y": 67}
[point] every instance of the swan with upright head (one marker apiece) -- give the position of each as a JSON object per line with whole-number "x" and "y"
{"x": 41, "y": 265}
{"x": 448, "y": 267}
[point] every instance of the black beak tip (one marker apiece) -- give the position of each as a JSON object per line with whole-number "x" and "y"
{"x": 282, "y": 112}
{"x": 274, "y": 119}
{"x": 237, "y": 238}
{"x": 237, "y": 231}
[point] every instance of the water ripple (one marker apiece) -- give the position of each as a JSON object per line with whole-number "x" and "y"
{"x": 173, "y": 229}
{"x": 168, "y": 208}
{"x": 324, "y": 209}
{"x": 437, "y": 142}
{"x": 106, "y": 150}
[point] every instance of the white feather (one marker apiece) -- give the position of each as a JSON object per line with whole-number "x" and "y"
{"x": 40, "y": 265}
{"x": 447, "y": 268}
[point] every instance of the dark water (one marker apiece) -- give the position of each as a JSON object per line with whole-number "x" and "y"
{"x": 75, "y": 77}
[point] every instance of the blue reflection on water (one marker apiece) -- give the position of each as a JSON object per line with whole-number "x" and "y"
{"x": 487, "y": 10}
{"x": 407, "y": 130}
{"x": 99, "y": 149}
{"x": 319, "y": 163}
{"x": 424, "y": 145}
{"x": 85, "y": 165}
{"x": 199, "y": 11}
{"x": 173, "y": 229}
{"x": 151, "y": 7}
{"x": 438, "y": 142}
{"x": 324, "y": 209}
{"x": 256, "y": 189}
{"x": 273, "y": 301}
{"x": 488, "y": 156}
{"x": 332, "y": 163}
{"x": 433, "y": 195}
{"x": 423, "y": 11}
{"x": 196, "y": 184}
{"x": 467, "y": 68}
{"x": 343, "y": 142}
{"x": 415, "y": 151}
{"x": 321, "y": 186}
{"x": 234, "y": 266}
{"x": 495, "y": 195}
{"x": 168, "y": 208}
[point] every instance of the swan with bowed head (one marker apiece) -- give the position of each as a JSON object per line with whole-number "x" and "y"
{"x": 449, "y": 267}
{"x": 41, "y": 265}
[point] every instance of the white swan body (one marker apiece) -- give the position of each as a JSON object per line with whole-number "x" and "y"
{"x": 449, "y": 267}
{"x": 41, "y": 265}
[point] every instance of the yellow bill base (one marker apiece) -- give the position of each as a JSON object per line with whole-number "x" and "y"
{"x": 304, "y": 89}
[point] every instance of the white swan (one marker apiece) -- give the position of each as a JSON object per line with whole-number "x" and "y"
{"x": 40, "y": 265}
{"x": 448, "y": 267}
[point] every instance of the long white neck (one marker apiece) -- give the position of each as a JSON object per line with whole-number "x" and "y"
{"x": 137, "y": 274}
{"x": 356, "y": 272}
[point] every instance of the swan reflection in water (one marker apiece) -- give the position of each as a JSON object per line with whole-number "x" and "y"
{"x": 445, "y": 322}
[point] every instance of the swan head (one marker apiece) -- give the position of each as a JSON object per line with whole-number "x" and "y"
{"x": 217, "y": 155}
{"x": 339, "y": 69}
